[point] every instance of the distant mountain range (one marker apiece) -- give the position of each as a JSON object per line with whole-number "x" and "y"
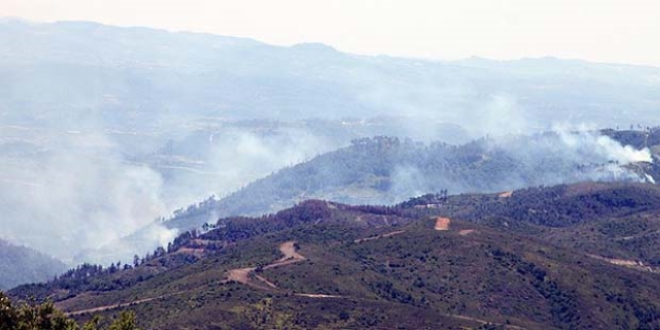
{"x": 140, "y": 78}
{"x": 561, "y": 257}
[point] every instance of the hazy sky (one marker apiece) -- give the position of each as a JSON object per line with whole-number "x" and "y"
{"x": 626, "y": 31}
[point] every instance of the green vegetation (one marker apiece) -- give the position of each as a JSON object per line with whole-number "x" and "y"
{"x": 46, "y": 317}
{"x": 506, "y": 261}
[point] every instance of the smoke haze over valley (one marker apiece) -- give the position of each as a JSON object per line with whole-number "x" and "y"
{"x": 107, "y": 131}
{"x": 347, "y": 164}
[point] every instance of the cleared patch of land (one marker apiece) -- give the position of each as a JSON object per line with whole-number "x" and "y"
{"x": 442, "y": 223}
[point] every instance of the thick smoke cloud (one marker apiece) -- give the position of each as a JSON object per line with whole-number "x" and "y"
{"x": 510, "y": 162}
{"x": 78, "y": 194}
{"x": 600, "y": 147}
{"x": 81, "y": 193}
{"x": 235, "y": 157}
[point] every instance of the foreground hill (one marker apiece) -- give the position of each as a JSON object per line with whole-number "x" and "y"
{"x": 20, "y": 265}
{"x": 615, "y": 222}
{"x": 513, "y": 259}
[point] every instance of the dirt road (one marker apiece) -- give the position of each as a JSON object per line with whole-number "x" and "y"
{"x": 114, "y": 306}
{"x": 291, "y": 256}
{"x": 244, "y": 275}
{"x": 366, "y": 239}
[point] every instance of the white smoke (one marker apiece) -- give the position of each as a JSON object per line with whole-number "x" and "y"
{"x": 233, "y": 158}
{"x": 565, "y": 155}
{"x": 499, "y": 115}
{"x": 81, "y": 195}
{"x": 406, "y": 181}
{"x": 589, "y": 142}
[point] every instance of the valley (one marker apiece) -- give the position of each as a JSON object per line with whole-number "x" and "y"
{"x": 170, "y": 176}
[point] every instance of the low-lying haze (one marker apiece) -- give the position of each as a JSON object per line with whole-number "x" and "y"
{"x": 103, "y": 129}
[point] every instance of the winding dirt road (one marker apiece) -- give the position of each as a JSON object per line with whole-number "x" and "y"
{"x": 243, "y": 275}
{"x": 291, "y": 256}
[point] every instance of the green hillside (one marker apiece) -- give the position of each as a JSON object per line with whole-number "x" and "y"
{"x": 323, "y": 265}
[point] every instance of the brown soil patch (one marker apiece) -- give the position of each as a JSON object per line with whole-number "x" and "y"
{"x": 241, "y": 275}
{"x": 187, "y": 250}
{"x": 291, "y": 256}
{"x": 442, "y": 223}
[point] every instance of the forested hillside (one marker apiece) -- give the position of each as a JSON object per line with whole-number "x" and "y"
{"x": 385, "y": 170}
{"x": 509, "y": 260}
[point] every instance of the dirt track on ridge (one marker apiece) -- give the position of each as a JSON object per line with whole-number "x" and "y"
{"x": 242, "y": 275}
{"x": 360, "y": 240}
{"x": 114, "y": 306}
{"x": 291, "y": 256}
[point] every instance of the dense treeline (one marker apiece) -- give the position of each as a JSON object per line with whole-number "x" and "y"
{"x": 386, "y": 170}
{"x": 559, "y": 207}
{"x": 308, "y": 212}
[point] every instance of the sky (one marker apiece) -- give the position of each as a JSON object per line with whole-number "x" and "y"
{"x": 618, "y": 31}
